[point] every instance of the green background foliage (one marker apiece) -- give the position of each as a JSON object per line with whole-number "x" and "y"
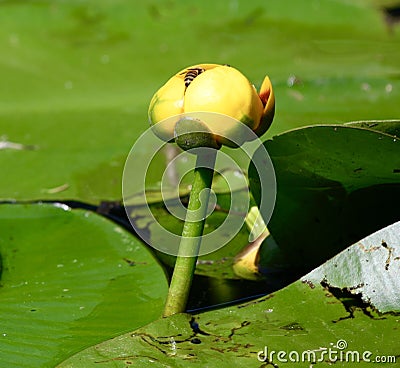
{"x": 77, "y": 76}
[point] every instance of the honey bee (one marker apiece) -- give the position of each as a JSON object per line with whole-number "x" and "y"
{"x": 190, "y": 74}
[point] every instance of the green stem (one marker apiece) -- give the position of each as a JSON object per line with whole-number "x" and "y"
{"x": 191, "y": 235}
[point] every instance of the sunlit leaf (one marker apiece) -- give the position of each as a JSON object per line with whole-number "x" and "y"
{"x": 69, "y": 279}
{"x": 370, "y": 268}
{"x": 304, "y": 317}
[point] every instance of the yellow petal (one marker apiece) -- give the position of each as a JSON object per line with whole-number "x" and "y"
{"x": 224, "y": 90}
{"x": 167, "y": 102}
{"x": 245, "y": 264}
{"x": 268, "y": 99}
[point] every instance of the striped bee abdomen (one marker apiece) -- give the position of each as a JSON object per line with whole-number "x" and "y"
{"x": 190, "y": 74}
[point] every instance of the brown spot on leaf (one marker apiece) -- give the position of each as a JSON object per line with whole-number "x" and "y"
{"x": 309, "y": 283}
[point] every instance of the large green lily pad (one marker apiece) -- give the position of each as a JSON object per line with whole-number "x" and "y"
{"x": 306, "y": 320}
{"x": 70, "y": 279}
{"x": 335, "y": 184}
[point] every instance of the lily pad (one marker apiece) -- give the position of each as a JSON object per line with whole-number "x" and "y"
{"x": 370, "y": 268}
{"x": 306, "y": 323}
{"x": 391, "y": 127}
{"x": 70, "y": 279}
{"x": 336, "y": 184}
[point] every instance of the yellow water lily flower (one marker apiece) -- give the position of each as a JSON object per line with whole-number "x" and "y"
{"x": 217, "y": 89}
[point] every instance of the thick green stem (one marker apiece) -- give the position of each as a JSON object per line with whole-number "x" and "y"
{"x": 191, "y": 235}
